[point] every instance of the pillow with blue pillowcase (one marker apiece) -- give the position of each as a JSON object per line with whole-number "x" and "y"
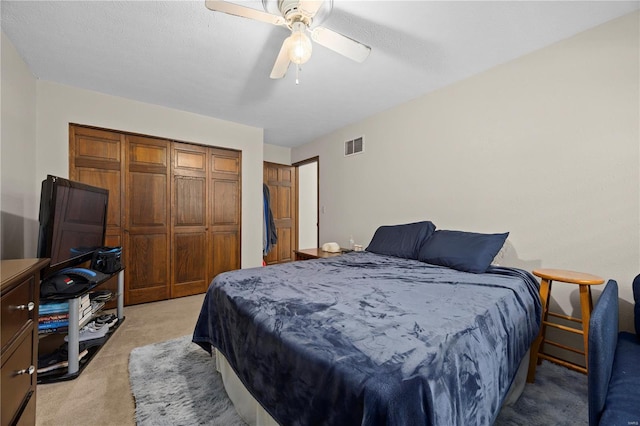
{"x": 402, "y": 241}
{"x": 463, "y": 251}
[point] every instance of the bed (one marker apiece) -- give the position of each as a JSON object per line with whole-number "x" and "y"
{"x": 369, "y": 338}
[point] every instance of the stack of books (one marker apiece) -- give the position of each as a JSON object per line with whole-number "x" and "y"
{"x": 85, "y": 309}
{"x": 54, "y": 315}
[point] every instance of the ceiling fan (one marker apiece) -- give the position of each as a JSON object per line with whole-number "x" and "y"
{"x": 298, "y": 16}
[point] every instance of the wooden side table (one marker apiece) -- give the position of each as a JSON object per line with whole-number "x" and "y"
{"x": 585, "y": 281}
{"x": 314, "y": 253}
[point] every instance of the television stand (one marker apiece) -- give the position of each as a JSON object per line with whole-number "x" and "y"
{"x": 75, "y": 366}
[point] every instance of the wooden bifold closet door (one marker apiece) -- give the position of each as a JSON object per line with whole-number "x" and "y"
{"x": 205, "y": 230}
{"x": 189, "y": 225}
{"x": 174, "y": 207}
{"x": 147, "y": 215}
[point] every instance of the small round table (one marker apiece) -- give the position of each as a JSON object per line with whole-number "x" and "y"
{"x": 585, "y": 281}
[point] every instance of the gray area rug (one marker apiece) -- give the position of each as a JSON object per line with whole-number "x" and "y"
{"x": 175, "y": 383}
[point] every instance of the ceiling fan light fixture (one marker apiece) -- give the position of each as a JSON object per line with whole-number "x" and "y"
{"x": 302, "y": 18}
{"x": 299, "y": 45}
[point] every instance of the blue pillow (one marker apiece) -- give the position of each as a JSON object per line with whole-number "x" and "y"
{"x": 401, "y": 240}
{"x": 464, "y": 251}
{"x": 636, "y": 298}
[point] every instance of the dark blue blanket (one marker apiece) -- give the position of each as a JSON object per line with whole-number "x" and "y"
{"x": 374, "y": 340}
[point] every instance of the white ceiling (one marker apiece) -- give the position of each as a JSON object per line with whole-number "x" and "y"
{"x": 181, "y": 55}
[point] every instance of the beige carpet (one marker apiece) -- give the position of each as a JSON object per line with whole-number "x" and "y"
{"x": 101, "y": 395}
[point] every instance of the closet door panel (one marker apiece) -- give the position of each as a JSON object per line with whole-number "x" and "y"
{"x": 146, "y": 158}
{"x": 147, "y": 243}
{"x": 226, "y": 206}
{"x": 94, "y": 148}
{"x": 224, "y": 211}
{"x": 113, "y": 241}
{"x": 189, "y": 264}
{"x": 147, "y": 200}
{"x": 147, "y": 268}
{"x": 225, "y": 252}
{"x": 284, "y": 209}
{"x": 108, "y": 179}
{"x": 285, "y": 223}
{"x": 146, "y": 274}
{"x": 189, "y": 160}
{"x": 189, "y": 261}
{"x": 225, "y": 162}
{"x": 190, "y": 200}
{"x": 95, "y": 158}
{"x": 284, "y": 248}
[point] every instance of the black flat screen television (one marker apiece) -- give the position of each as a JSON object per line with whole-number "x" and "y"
{"x": 73, "y": 221}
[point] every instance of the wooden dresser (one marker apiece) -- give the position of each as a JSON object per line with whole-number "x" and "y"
{"x": 20, "y": 294}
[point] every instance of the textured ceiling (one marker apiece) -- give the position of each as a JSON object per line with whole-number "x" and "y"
{"x": 181, "y": 55}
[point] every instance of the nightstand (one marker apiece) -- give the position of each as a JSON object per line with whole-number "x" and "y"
{"x": 314, "y": 253}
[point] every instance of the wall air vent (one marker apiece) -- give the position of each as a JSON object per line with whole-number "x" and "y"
{"x": 355, "y": 146}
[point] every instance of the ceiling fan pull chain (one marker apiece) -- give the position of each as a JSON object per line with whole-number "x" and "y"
{"x": 297, "y": 73}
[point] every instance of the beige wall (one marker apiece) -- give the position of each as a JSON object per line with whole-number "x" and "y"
{"x": 546, "y": 147}
{"x": 277, "y": 154}
{"x": 35, "y": 141}
{"x": 18, "y": 202}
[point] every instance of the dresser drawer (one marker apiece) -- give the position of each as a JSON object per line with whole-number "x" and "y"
{"x": 16, "y": 388}
{"x": 28, "y": 415}
{"x": 15, "y": 310}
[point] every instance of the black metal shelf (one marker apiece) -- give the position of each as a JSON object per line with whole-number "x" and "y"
{"x": 76, "y": 366}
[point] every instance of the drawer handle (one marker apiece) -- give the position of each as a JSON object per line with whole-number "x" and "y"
{"x": 28, "y": 371}
{"x": 28, "y": 307}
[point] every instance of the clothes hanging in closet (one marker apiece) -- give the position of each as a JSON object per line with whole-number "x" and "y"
{"x": 269, "y": 233}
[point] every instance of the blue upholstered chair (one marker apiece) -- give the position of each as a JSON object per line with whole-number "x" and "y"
{"x": 614, "y": 362}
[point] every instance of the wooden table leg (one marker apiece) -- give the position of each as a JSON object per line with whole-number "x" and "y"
{"x": 538, "y": 344}
{"x": 586, "y": 307}
{"x": 545, "y": 294}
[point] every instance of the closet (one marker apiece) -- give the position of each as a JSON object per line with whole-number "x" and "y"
{"x": 174, "y": 207}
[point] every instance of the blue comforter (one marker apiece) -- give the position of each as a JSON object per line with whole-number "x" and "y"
{"x": 373, "y": 340}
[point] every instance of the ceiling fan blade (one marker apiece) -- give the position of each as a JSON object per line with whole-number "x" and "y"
{"x": 244, "y": 12}
{"x": 282, "y": 62}
{"x": 341, "y": 44}
{"x": 310, "y": 7}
